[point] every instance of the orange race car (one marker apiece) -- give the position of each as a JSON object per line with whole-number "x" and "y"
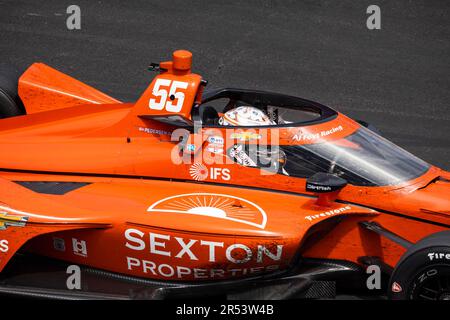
{"x": 229, "y": 191}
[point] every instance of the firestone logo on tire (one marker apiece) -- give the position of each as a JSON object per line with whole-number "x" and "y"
{"x": 438, "y": 256}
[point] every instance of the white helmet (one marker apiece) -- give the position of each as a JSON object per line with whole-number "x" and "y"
{"x": 245, "y": 116}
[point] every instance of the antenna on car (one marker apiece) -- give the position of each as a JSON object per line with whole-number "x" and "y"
{"x": 155, "y": 67}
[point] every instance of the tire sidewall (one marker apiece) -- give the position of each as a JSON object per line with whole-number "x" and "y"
{"x": 8, "y": 106}
{"x": 10, "y": 103}
{"x": 416, "y": 268}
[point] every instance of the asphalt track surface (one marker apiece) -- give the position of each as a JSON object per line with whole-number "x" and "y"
{"x": 397, "y": 78}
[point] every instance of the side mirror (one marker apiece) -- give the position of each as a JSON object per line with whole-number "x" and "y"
{"x": 322, "y": 182}
{"x": 326, "y": 185}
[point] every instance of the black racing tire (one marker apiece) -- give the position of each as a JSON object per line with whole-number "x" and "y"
{"x": 423, "y": 272}
{"x": 10, "y": 103}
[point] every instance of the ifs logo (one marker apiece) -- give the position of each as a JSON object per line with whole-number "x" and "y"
{"x": 199, "y": 172}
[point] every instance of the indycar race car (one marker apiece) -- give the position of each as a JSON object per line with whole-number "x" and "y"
{"x": 189, "y": 192}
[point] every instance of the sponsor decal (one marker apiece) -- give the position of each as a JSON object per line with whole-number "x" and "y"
{"x": 220, "y": 173}
{"x": 7, "y": 220}
{"x": 4, "y": 246}
{"x": 214, "y": 148}
{"x": 396, "y": 287}
{"x": 183, "y": 272}
{"x": 312, "y": 187}
{"x": 216, "y": 140}
{"x": 217, "y": 206}
{"x": 245, "y": 136}
{"x": 308, "y": 137}
{"x": 438, "y": 256}
{"x": 241, "y": 157}
{"x": 154, "y": 131}
{"x": 59, "y": 244}
{"x": 178, "y": 248}
{"x": 79, "y": 247}
{"x": 328, "y": 213}
{"x": 199, "y": 172}
{"x": 190, "y": 147}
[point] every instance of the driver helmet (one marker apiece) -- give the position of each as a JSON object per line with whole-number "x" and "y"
{"x": 245, "y": 116}
{"x": 270, "y": 158}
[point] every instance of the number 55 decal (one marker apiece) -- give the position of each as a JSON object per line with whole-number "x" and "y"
{"x": 163, "y": 94}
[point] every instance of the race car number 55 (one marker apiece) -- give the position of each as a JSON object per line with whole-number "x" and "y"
{"x": 162, "y": 94}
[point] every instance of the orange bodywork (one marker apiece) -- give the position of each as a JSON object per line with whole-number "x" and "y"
{"x": 147, "y": 208}
{"x": 43, "y": 88}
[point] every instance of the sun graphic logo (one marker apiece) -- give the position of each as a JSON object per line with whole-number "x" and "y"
{"x": 198, "y": 171}
{"x": 219, "y": 206}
